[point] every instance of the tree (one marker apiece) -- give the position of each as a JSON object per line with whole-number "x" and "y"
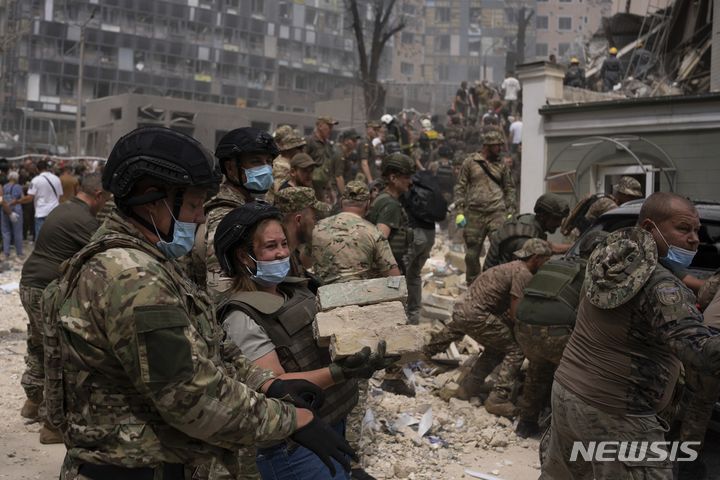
{"x": 523, "y": 20}
{"x": 369, "y": 53}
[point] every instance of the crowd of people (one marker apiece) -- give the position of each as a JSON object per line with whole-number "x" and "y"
{"x": 171, "y": 295}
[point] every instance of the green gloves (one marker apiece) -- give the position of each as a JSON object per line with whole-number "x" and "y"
{"x": 361, "y": 364}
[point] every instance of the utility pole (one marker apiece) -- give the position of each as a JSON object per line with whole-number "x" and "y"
{"x": 81, "y": 74}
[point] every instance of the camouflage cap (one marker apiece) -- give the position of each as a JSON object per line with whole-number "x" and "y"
{"x": 373, "y": 124}
{"x": 629, "y": 186}
{"x": 328, "y": 120}
{"x": 399, "y": 162}
{"x": 552, "y": 204}
{"x": 295, "y": 199}
{"x": 534, "y": 246}
{"x": 493, "y": 137}
{"x": 288, "y": 138}
{"x": 620, "y": 266}
{"x": 356, "y": 191}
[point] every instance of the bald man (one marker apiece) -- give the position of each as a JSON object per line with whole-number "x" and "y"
{"x": 632, "y": 332}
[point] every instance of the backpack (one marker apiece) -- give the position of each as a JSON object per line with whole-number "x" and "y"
{"x": 577, "y": 218}
{"x": 425, "y": 200}
{"x": 553, "y": 295}
{"x": 53, "y": 297}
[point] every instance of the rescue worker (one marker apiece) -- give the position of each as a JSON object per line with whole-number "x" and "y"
{"x": 367, "y": 152}
{"x": 635, "y": 325}
{"x": 611, "y": 70}
{"x": 347, "y": 247}
{"x": 550, "y": 209}
{"x": 137, "y": 382}
{"x": 302, "y": 167}
{"x": 544, "y": 321}
{"x": 484, "y": 197}
{"x": 245, "y": 156}
{"x": 575, "y": 76}
{"x": 626, "y": 190}
{"x": 329, "y": 173}
{"x": 487, "y": 314}
{"x": 387, "y": 213}
{"x": 269, "y": 317}
{"x": 289, "y": 143}
{"x": 641, "y": 62}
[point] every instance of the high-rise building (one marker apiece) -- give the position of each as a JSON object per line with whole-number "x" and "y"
{"x": 564, "y": 26}
{"x": 280, "y": 55}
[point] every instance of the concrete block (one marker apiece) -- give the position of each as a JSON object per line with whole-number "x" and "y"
{"x": 439, "y": 301}
{"x": 435, "y": 313}
{"x": 362, "y": 292}
{"x": 456, "y": 260}
{"x": 346, "y": 330}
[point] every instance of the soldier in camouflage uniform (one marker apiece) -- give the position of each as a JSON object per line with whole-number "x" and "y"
{"x": 142, "y": 390}
{"x": 301, "y": 210}
{"x": 366, "y": 151}
{"x": 289, "y": 143}
{"x": 329, "y": 173}
{"x": 550, "y": 209}
{"x": 627, "y": 189}
{"x": 245, "y": 156}
{"x": 635, "y": 324}
{"x": 484, "y": 197}
{"x": 347, "y": 247}
{"x": 487, "y": 314}
{"x": 347, "y": 149}
{"x": 388, "y": 213}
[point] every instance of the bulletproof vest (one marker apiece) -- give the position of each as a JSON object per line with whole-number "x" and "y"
{"x": 521, "y": 226}
{"x": 71, "y": 385}
{"x": 400, "y": 238}
{"x": 289, "y": 324}
{"x": 553, "y": 295}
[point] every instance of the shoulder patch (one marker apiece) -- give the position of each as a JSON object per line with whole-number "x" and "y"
{"x": 668, "y": 293}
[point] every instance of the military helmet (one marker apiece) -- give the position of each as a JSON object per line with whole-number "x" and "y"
{"x": 245, "y": 140}
{"x": 397, "y": 163}
{"x": 629, "y": 186}
{"x": 552, "y": 204}
{"x": 171, "y": 158}
{"x": 234, "y": 228}
{"x": 493, "y": 137}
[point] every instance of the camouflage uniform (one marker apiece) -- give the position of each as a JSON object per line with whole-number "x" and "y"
{"x": 144, "y": 384}
{"x": 330, "y": 164}
{"x": 626, "y": 185}
{"x": 287, "y": 139}
{"x": 206, "y": 268}
{"x": 347, "y": 247}
{"x": 483, "y": 313}
{"x": 635, "y": 325}
{"x": 485, "y": 199}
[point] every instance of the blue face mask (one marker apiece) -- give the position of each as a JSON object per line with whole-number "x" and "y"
{"x": 183, "y": 238}
{"x": 677, "y": 255}
{"x": 270, "y": 273}
{"x": 259, "y": 179}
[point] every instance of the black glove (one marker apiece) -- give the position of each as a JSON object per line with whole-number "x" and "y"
{"x": 326, "y": 443}
{"x": 302, "y": 393}
{"x": 361, "y": 364}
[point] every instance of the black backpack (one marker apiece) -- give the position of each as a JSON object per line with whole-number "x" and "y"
{"x": 425, "y": 200}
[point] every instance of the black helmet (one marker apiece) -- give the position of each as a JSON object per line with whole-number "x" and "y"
{"x": 234, "y": 227}
{"x": 245, "y": 140}
{"x": 552, "y": 204}
{"x": 170, "y": 157}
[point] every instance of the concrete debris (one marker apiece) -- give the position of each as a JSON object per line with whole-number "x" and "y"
{"x": 339, "y": 330}
{"x": 362, "y": 292}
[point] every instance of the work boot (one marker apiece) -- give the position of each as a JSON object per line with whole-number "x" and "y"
{"x": 499, "y": 406}
{"x": 29, "y": 409}
{"x": 527, "y": 429}
{"x": 50, "y": 435}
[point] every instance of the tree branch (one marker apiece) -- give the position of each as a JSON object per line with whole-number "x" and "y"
{"x": 357, "y": 26}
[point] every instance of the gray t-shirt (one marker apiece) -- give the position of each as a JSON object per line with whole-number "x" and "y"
{"x": 250, "y": 337}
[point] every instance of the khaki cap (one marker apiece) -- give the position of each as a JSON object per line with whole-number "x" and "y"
{"x": 328, "y": 120}
{"x": 302, "y": 160}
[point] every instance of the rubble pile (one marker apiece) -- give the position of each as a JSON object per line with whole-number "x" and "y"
{"x": 421, "y": 437}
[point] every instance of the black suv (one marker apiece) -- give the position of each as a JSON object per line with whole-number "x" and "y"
{"x": 707, "y": 259}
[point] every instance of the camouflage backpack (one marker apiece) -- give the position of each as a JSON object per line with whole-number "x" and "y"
{"x": 553, "y": 295}
{"x": 53, "y": 297}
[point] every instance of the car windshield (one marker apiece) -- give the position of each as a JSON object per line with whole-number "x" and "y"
{"x": 707, "y": 258}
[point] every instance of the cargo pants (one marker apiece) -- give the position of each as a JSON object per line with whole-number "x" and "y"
{"x": 33, "y": 379}
{"x": 575, "y": 421}
{"x": 543, "y": 346}
{"x": 423, "y": 241}
{"x": 479, "y": 226}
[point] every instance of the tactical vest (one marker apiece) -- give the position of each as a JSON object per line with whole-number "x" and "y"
{"x": 72, "y": 386}
{"x": 553, "y": 295}
{"x": 521, "y": 226}
{"x": 400, "y": 238}
{"x": 289, "y": 324}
